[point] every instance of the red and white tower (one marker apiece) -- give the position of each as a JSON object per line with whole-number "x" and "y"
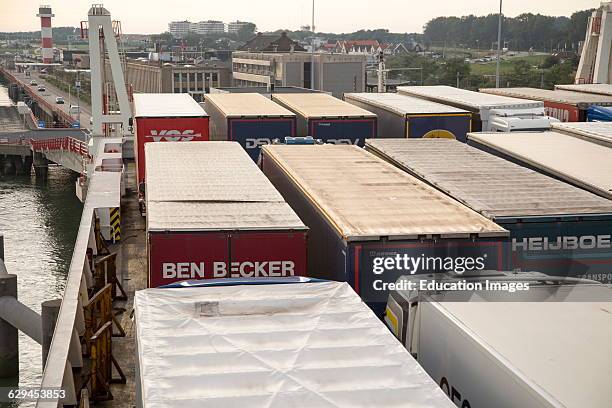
{"x": 45, "y": 14}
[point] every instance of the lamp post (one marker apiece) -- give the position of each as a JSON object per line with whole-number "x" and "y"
{"x": 499, "y": 30}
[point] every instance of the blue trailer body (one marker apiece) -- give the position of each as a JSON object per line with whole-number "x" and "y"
{"x": 346, "y": 131}
{"x": 357, "y": 260}
{"x": 401, "y": 116}
{"x": 252, "y": 133}
{"x": 574, "y": 246}
{"x": 555, "y": 228}
{"x": 599, "y": 114}
{"x": 439, "y": 126}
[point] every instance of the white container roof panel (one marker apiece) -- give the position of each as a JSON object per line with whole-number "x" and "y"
{"x": 247, "y": 105}
{"x": 205, "y": 171}
{"x": 546, "y": 340}
{"x": 206, "y": 216}
{"x": 583, "y": 163}
{"x": 579, "y": 99}
{"x": 163, "y": 105}
{"x": 287, "y": 345}
{"x": 366, "y": 198}
{"x": 403, "y": 104}
{"x": 198, "y": 186}
{"x": 488, "y": 184}
{"x": 601, "y": 89}
{"x": 599, "y": 132}
{"x": 320, "y": 105}
{"x": 467, "y": 99}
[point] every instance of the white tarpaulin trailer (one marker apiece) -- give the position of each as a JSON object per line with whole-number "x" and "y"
{"x": 277, "y": 345}
{"x": 548, "y": 347}
{"x": 597, "y": 132}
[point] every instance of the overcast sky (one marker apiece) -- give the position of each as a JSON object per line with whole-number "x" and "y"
{"x": 152, "y": 16}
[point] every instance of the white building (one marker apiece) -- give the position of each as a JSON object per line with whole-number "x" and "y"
{"x": 235, "y": 26}
{"x": 208, "y": 27}
{"x": 179, "y": 29}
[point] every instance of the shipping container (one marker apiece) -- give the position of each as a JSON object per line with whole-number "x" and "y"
{"x": 490, "y": 113}
{"x": 250, "y": 119}
{"x": 545, "y": 347}
{"x": 566, "y": 106}
{"x": 165, "y": 118}
{"x": 599, "y": 89}
{"x": 597, "y": 132}
{"x": 555, "y": 228}
{"x": 211, "y": 213}
{"x": 368, "y": 220}
{"x": 264, "y": 90}
{"x": 577, "y": 161}
{"x": 401, "y": 116}
{"x": 279, "y": 344}
{"x": 329, "y": 119}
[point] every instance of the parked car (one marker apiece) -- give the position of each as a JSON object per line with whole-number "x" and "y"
{"x": 59, "y": 100}
{"x": 41, "y": 88}
{"x": 33, "y": 83}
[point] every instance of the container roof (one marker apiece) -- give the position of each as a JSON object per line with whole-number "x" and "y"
{"x": 602, "y": 89}
{"x": 488, "y": 184}
{"x": 161, "y": 105}
{"x": 320, "y": 105}
{"x": 532, "y": 337}
{"x": 246, "y": 104}
{"x": 402, "y": 104}
{"x": 467, "y": 99}
{"x": 366, "y": 198}
{"x": 211, "y": 186}
{"x": 585, "y": 164}
{"x": 599, "y": 132}
{"x": 579, "y": 99}
{"x": 276, "y": 345}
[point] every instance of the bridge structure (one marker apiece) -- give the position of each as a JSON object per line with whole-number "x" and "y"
{"x": 46, "y": 113}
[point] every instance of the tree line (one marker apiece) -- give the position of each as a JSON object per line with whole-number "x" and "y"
{"x": 525, "y": 31}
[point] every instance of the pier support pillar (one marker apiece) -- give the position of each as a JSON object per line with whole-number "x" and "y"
{"x": 8, "y": 168}
{"x": 49, "y": 312}
{"x": 9, "y": 344}
{"x": 41, "y": 166}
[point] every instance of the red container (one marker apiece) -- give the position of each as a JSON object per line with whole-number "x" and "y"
{"x": 207, "y": 255}
{"x": 211, "y": 213}
{"x": 166, "y": 118}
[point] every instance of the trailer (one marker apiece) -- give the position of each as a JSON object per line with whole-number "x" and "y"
{"x": 492, "y": 348}
{"x": 490, "y": 113}
{"x": 596, "y": 132}
{"x": 579, "y": 162}
{"x": 401, "y": 116}
{"x": 165, "y": 118}
{"x": 250, "y": 119}
{"x": 273, "y": 344}
{"x": 566, "y": 106}
{"x": 329, "y": 119}
{"x": 211, "y": 213}
{"x": 599, "y": 89}
{"x": 555, "y": 228}
{"x": 369, "y": 220}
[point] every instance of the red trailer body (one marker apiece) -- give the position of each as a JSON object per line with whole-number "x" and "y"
{"x": 209, "y": 255}
{"x": 211, "y": 213}
{"x": 563, "y": 111}
{"x": 166, "y": 118}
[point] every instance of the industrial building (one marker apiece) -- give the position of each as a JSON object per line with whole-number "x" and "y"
{"x": 194, "y": 79}
{"x": 335, "y": 73}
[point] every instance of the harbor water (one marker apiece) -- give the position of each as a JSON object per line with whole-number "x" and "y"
{"x": 39, "y": 221}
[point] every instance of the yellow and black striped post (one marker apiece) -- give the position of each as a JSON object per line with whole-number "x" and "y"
{"x": 115, "y": 224}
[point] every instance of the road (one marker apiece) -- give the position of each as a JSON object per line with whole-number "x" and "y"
{"x": 52, "y": 92}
